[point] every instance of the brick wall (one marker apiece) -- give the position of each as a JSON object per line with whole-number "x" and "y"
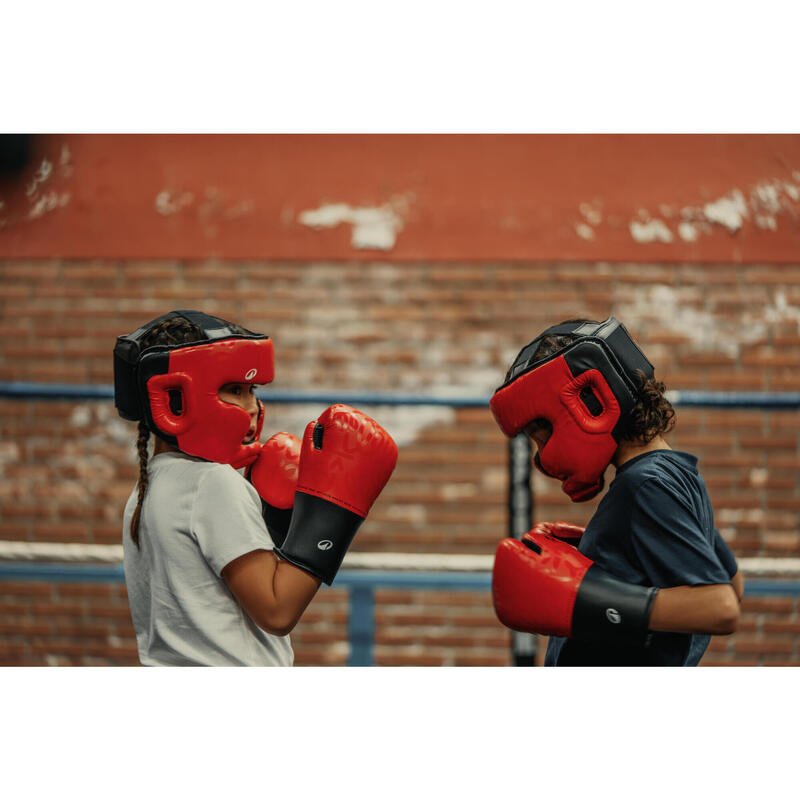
{"x": 67, "y": 468}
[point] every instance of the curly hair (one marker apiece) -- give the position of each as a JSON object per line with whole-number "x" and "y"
{"x": 175, "y": 330}
{"x": 653, "y": 415}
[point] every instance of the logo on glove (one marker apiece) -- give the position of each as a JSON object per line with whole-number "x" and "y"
{"x": 325, "y": 544}
{"x": 613, "y": 616}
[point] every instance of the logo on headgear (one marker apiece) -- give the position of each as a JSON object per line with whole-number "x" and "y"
{"x": 325, "y": 544}
{"x": 251, "y": 374}
{"x": 613, "y": 616}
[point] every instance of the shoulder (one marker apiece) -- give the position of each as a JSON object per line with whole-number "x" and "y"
{"x": 658, "y": 468}
{"x": 205, "y": 477}
{"x": 222, "y": 478}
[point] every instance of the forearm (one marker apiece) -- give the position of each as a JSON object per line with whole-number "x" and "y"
{"x": 293, "y": 589}
{"x": 273, "y": 593}
{"x": 696, "y": 609}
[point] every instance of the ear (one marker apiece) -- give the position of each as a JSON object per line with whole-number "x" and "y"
{"x": 158, "y": 389}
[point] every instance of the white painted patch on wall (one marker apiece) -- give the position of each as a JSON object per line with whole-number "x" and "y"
{"x": 47, "y": 203}
{"x": 686, "y": 311}
{"x": 764, "y": 203}
{"x": 65, "y": 161}
{"x": 688, "y": 231}
{"x": 373, "y": 228}
{"x": 167, "y": 205}
{"x": 41, "y": 176}
{"x": 728, "y": 211}
{"x": 584, "y": 231}
{"x": 766, "y": 222}
{"x": 653, "y": 230}
{"x": 591, "y": 213}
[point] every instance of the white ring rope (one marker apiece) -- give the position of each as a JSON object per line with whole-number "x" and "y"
{"x": 450, "y": 562}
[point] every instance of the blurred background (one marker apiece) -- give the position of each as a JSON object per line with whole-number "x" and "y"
{"x": 412, "y": 266}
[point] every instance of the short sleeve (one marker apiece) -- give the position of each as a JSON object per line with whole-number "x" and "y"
{"x": 725, "y": 554}
{"x": 669, "y": 542}
{"x": 226, "y": 518}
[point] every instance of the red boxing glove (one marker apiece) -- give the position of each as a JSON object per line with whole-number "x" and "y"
{"x": 564, "y": 531}
{"x": 274, "y": 475}
{"x": 345, "y": 461}
{"x": 542, "y": 585}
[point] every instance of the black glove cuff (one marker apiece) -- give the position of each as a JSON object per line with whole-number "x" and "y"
{"x": 607, "y": 608}
{"x": 319, "y": 535}
{"x": 278, "y": 521}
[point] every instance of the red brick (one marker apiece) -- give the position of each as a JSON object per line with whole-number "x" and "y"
{"x": 83, "y": 590}
{"x": 775, "y": 605}
{"x": 763, "y": 646}
{"x": 25, "y": 588}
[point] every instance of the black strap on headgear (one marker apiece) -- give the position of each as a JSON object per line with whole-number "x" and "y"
{"x": 128, "y": 351}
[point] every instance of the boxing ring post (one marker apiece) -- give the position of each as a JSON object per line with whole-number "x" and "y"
{"x": 361, "y": 626}
{"x": 520, "y": 520}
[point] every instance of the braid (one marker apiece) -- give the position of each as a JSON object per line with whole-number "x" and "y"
{"x": 173, "y": 331}
{"x": 141, "y": 447}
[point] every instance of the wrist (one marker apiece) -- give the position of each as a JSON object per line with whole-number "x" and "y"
{"x": 608, "y": 608}
{"x": 319, "y": 535}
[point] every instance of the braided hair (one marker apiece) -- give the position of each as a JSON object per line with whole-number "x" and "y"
{"x": 175, "y": 330}
{"x": 652, "y": 415}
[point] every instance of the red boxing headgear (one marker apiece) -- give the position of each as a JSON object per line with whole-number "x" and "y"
{"x": 583, "y": 390}
{"x": 146, "y": 384}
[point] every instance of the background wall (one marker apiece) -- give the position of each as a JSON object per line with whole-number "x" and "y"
{"x": 406, "y": 263}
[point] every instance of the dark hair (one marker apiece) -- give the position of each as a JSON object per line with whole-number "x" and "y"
{"x": 652, "y": 415}
{"x": 175, "y": 330}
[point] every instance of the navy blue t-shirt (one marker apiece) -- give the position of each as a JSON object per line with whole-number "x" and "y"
{"x": 654, "y": 527}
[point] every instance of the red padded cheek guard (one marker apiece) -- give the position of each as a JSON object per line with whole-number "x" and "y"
{"x": 207, "y": 426}
{"x": 581, "y": 445}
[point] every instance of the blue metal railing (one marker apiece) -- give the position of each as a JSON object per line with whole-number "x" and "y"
{"x": 774, "y": 401}
{"x": 362, "y": 585}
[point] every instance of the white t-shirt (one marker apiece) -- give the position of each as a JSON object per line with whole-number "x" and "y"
{"x": 197, "y": 517}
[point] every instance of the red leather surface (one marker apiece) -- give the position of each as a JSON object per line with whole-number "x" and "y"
{"x": 535, "y": 592}
{"x": 208, "y": 427}
{"x": 355, "y": 462}
{"x": 274, "y": 473}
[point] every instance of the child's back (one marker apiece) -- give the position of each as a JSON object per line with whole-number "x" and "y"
{"x": 197, "y": 517}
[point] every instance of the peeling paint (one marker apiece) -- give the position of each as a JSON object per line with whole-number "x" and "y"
{"x": 591, "y": 213}
{"x": 165, "y": 205}
{"x": 41, "y": 176}
{"x": 765, "y": 196}
{"x": 652, "y": 231}
{"x": 373, "y": 228}
{"x": 47, "y": 203}
{"x": 765, "y": 202}
{"x": 686, "y": 311}
{"x": 65, "y": 161}
{"x": 728, "y": 211}
{"x": 766, "y": 222}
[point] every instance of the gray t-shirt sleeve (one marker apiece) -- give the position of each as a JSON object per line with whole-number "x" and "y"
{"x": 226, "y": 518}
{"x": 669, "y": 541}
